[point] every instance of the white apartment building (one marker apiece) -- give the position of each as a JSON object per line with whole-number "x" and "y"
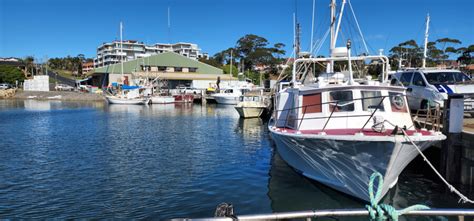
{"x": 110, "y": 53}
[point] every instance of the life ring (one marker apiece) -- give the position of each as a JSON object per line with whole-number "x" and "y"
{"x": 397, "y": 102}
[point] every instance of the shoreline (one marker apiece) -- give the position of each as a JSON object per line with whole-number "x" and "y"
{"x": 55, "y": 95}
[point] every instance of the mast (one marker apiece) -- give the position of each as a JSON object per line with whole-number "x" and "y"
{"x": 426, "y": 40}
{"x": 330, "y": 66}
{"x": 312, "y": 29}
{"x": 231, "y": 64}
{"x": 339, "y": 23}
{"x": 121, "y": 50}
{"x": 293, "y": 77}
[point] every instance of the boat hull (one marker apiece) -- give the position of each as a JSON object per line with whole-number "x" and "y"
{"x": 162, "y": 100}
{"x": 231, "y": 100}
{"x": 137, "y": 101}
{"x": 250, "y": 112}
{"x": 346, "y": 165}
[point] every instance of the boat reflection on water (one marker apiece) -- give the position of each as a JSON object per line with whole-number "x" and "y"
{"x": 250, "y": 127}
{"x": 128, "y": 109}
{"x": 38, "y": 105}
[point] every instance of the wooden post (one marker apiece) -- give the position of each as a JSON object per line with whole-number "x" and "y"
{"x": 452, "y": 146}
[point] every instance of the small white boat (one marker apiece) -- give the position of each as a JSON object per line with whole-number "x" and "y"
{"x": 253, "y": 104}
{"x": 124, "y": 100}
{"x": 230, "y": 96}
{"x": 162, "y": 100}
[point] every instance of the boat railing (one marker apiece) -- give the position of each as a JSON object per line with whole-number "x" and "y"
{"x": 334, "y": 105}
{"x": 333, "y": 213}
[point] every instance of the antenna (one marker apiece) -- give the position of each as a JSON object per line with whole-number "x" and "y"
{"x": 426, "y": 40}
{"x": 169, "y": 26}
{"x": 121, "y": 49}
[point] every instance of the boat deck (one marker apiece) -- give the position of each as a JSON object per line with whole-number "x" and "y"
{"x": 354, "y": 131}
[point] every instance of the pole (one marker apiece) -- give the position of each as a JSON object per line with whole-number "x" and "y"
{"x": 231, "y": 64}
{"x": 293, "y": 76}
{"x": 351, "y": 79}
{"x": 169, "y": 26}
{"x": 330, "y": 67}
{"x": 451, "y": 150}
{"x": 121, "y": 50}
{"x": 338, "y": 23}
{"x": 426, "y": 41}
{"x": 312, "y": 29}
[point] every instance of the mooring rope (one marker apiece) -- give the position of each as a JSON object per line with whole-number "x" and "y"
{"x": 462, "y": 197}
{"x": 384, "y": 211}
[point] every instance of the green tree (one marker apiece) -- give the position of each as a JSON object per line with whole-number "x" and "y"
{"x": 235, "y": 71}
{"x": 11, "y": 74}
{"x": 253, "y": 50}
{"x": 466, "y": 55}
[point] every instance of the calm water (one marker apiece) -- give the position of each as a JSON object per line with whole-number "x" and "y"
{"x": 90, "y": 160}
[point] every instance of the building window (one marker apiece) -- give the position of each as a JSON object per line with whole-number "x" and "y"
{"x": 192, "y": 69}
{"x": 178, "y": 69}
{"x": 161, "y": 68}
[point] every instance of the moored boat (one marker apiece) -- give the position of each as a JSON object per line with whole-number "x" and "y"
{"x": 339, "y": 131}
{"x": 121, "y": 100}
{"x": 253, "y": 104}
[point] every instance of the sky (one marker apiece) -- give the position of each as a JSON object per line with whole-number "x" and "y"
{"x": 57, "y": 28}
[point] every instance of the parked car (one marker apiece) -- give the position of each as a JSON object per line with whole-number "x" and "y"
{"x": 63, "y": 87}
{"x": 5, "y": 86}
{"x": 434, "y": 85}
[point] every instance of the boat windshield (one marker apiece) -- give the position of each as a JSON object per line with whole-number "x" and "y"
{"x": 446, "y": 77}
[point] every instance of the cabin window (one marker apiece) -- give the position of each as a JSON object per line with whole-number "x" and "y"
{"x": 161, "y": 68}
{"x": 178, "y": 69}
{"x": 192, "y": 69}
{"x": 397, "y": 102}
{"x": 371, "y": 100}
{"x": 312, "y": 103}
{"x": 341, "y": 101}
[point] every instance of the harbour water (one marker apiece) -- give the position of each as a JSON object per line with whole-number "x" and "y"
{"x": 73, "y": 160}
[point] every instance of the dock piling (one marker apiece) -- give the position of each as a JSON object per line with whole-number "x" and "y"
{"x": 452, "y": 146}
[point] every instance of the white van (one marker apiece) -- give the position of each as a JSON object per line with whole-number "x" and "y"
{"x": 434, "y": 85}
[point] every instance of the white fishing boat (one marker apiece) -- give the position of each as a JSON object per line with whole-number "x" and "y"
{"x": 253, "y": 104}
{"x": 120, "y": 100}
{"x": 230, "y": 95}
{"x": 337, "y": 131}
{"x": 162, "y": 99}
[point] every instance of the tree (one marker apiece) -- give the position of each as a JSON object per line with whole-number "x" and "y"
{"x": 466, "y": 55}
{"x": 253, "y": 50}
{"x": 11, "y": 74}
{"x": 29, "y": 62}
{"x": 406, "y": 51}
{"x": 235, "y": 71}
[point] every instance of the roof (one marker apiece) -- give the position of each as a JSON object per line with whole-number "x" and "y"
{"x": 166, "y": 59}
{"x": 184, "y": 76}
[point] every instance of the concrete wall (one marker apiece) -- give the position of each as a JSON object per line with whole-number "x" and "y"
{"x": 38, "y": 83}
